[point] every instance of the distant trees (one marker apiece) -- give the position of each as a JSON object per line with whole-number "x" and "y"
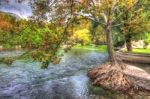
{"x": 98, "y": 35}
{"x": 136, "y": 23}
{"x": 8, "y": 28}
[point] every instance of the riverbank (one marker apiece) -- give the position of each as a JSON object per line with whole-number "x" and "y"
{"x": 98, "y": 48}
{"x": 141, "y": 51}
{"x": 134, "y": 58}
{"x": 130, "y": 81}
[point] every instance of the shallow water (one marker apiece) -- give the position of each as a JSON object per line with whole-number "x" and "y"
{"x": 67, "y": 80}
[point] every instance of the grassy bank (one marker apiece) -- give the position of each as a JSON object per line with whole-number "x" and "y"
{"x": 99, "y": 48}
{"x": 141, "y": 51}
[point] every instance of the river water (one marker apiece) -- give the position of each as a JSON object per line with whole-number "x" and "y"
{"x": 66, "y": 80}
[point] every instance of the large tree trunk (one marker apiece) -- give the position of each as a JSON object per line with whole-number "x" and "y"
{"x": 129, "y": 44}
{"x": 110, "y": 47}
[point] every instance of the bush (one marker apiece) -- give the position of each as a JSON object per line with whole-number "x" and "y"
{"x": 8, "y": 60}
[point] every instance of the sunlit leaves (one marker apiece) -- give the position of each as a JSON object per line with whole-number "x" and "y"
{"x": 82, "y": 36}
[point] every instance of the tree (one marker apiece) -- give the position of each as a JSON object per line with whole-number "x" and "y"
{"x": 80, "y": 32}
{"x": 107, "y": 13}
{"x": 97, "y": 34}
{"x": 47, "y": 30}
{"x": 8, "y": 28}
{"x": 55, "y": 31}
{"x": 136, "y": 23}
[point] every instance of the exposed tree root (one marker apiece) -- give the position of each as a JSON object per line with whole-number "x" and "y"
{"x": 114, "y": 78}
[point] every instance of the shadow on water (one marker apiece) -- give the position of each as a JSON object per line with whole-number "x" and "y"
{"x": 66, "y": 80}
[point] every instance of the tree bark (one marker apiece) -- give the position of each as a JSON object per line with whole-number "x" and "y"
{"x": 110, "y": 47}
{"x": 129, "y": 44}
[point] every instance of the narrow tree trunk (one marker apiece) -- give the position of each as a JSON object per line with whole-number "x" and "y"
{"x": 110, "y": 47}
{"x": 129, "y": 44}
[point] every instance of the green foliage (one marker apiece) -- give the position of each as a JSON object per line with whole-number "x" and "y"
{"x": 97, "y": 33}
{"x": 45, "y": 40}
{"x": 45, "y": 64}
{"x": 118, "y": 39}
{"x": 32, "y": 36}
{"x": 8, "y": 60}
{"x": 9, "y": 28}
{"x": 147, "y": 39}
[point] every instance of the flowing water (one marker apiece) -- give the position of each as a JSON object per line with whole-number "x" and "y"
{"x": 66, "y": 80}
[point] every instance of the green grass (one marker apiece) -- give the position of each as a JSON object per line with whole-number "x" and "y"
{"x": 141, "y": 51}
{"x": 103, "y": 48}
{"x": 100, "y": 48}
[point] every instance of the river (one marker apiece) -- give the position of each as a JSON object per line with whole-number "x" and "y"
{"x": 66, "y": 80}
